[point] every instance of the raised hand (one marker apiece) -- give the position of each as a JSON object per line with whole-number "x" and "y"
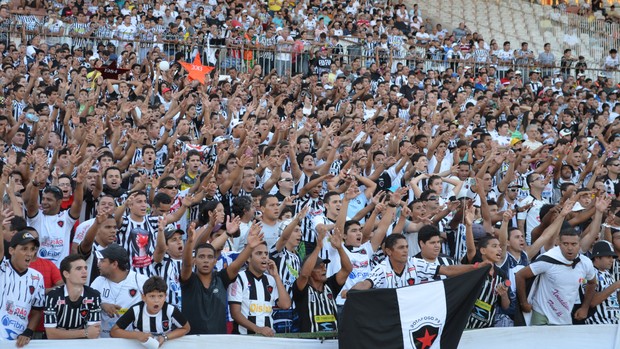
{"x": 232, "y": 225}
{"x": 335, "y": 239}
{"x": 255, "y": 236}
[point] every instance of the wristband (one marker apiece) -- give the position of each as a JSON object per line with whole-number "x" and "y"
{"x": 165, "y": 338}
{"x": 392, "y": 205}
{"x": 85, "y": 332}
{"x": 27, "y": 333}
{"x": 476, "y": 265}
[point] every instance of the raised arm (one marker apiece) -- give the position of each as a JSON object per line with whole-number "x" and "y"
{"x": 469, "y": 234}
{"x": 78, "y": 195}
{"x": 187, "y": 265}
{"x": 255, "y": 238}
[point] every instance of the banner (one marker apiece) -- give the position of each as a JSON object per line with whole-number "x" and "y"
{"x": 415, "y": 317}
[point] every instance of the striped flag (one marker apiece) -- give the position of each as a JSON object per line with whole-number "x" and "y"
{"x": 426, "y": 316}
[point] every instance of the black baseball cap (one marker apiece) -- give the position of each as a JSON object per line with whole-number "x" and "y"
{"x": 602, "y": 249}
{"x": 115, "y": 253}
{"x": 170, "y": 231}
{"x": 23, "y": 237}
{"x": 319, "y": 261}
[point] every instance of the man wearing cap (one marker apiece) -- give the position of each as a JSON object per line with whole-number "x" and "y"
{"x": 23, "y": 290}
{"x": 314, "y": 293}
{"x": 167, "y": 260}
{"x": 606, "y": 309}
{"x": 120, "y": 288}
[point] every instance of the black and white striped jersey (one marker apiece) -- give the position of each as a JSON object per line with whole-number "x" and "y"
{"x": 62, "y": 312}
{"x": 308, "y": 232}
{"x": 77, "y": 30}
{"x": 170, "y": 270}
{"x": 317, "y": 308}
{"x": 483, "y": 313}
{"x": 168, "y": 319}
{"x": 303, "y": 180}
{"x": 20, "y": 292}
{"x": 257, "y": 296}
{"x": 289, "y": 266}
{"x": 139, "y": 238}
{"x": 416, "y": 271}
{"x": 608, "y": 311}
{"x": 441, "y": 260}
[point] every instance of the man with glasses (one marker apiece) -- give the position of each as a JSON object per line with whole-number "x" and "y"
{"x": 528, "y": 209}
{"x": 54, "y": 227}
{"x": 285, "y": 186}
{"x": 611, "y": 179}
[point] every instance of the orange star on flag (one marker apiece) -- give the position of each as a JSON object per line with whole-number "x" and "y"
{"x": 196, "y": 70}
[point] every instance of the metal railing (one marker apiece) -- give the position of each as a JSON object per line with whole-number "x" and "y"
{"x": 593, "y": 37}
{"x": 286, "y": 62}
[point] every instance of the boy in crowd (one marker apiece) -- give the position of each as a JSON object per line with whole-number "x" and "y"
{"x": 153, "y": 317}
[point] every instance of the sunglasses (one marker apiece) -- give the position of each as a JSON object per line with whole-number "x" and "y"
{"x": 513, "y": 190}
{"x": 169, "y": 187}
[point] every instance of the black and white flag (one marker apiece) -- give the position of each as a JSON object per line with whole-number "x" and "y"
{"x": 426, "y": 316}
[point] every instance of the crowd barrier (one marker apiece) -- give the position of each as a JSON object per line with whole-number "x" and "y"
{"x": 583, "y": 336}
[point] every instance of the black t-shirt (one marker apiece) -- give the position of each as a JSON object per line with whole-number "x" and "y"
{"x": 317, "y": 310}
{"x": 205, "y": 308}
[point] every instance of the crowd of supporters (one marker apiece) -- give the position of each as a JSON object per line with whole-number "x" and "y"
{"x": 335, "y": 147}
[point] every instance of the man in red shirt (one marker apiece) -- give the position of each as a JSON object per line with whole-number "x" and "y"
{"x": 51, "y": 278}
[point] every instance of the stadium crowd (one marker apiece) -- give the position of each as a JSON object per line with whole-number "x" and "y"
{"x": 139, "y": 203}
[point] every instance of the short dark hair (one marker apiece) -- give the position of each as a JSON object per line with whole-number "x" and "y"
{"x": 241, "y": 205}
{"x": 154, "y": 284}
{"x": 350, "y": 223}
{"x": 483, "y": 242}
{"x": 427, "y": 232}
{"x": 569, "y": 232}
{"x": 204, "y": 245}
{"x": 329, "y": 195}
{"x": 391, "y": 240}
{"x": 263, "y": 200}
{"x": 65, "y": 264}
{"x": 161, "y": 198}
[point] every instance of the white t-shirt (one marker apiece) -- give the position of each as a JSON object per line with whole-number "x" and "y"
{"x": 81, "y": 230}
{"x": 125, "y": 294}
{"x": 20, "y": 293}
{"x": 531, "y": 216}
{"x": 271, "y": 233}
{"x": 360, "y": 260}
{"x": 54, "y": 234}
{"x": 557, "y": 289}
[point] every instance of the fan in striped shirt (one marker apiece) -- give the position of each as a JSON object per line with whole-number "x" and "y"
{"x": 284, "y": 253}
{"x": 138, "y": 232}
{"x": 168, "y": 259}
{"x": 74, "y": 310}
{"x": 254, "y": 294}
{"x": 429, "y": 240}
{"x": 23, "y": 290}
{"x": 494, "y": 292}
{"x": 400, "y": 270}
{"x": 153, "y": 319}
{"x": 604, "y": 307}
{"x": 315, "y": 294}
